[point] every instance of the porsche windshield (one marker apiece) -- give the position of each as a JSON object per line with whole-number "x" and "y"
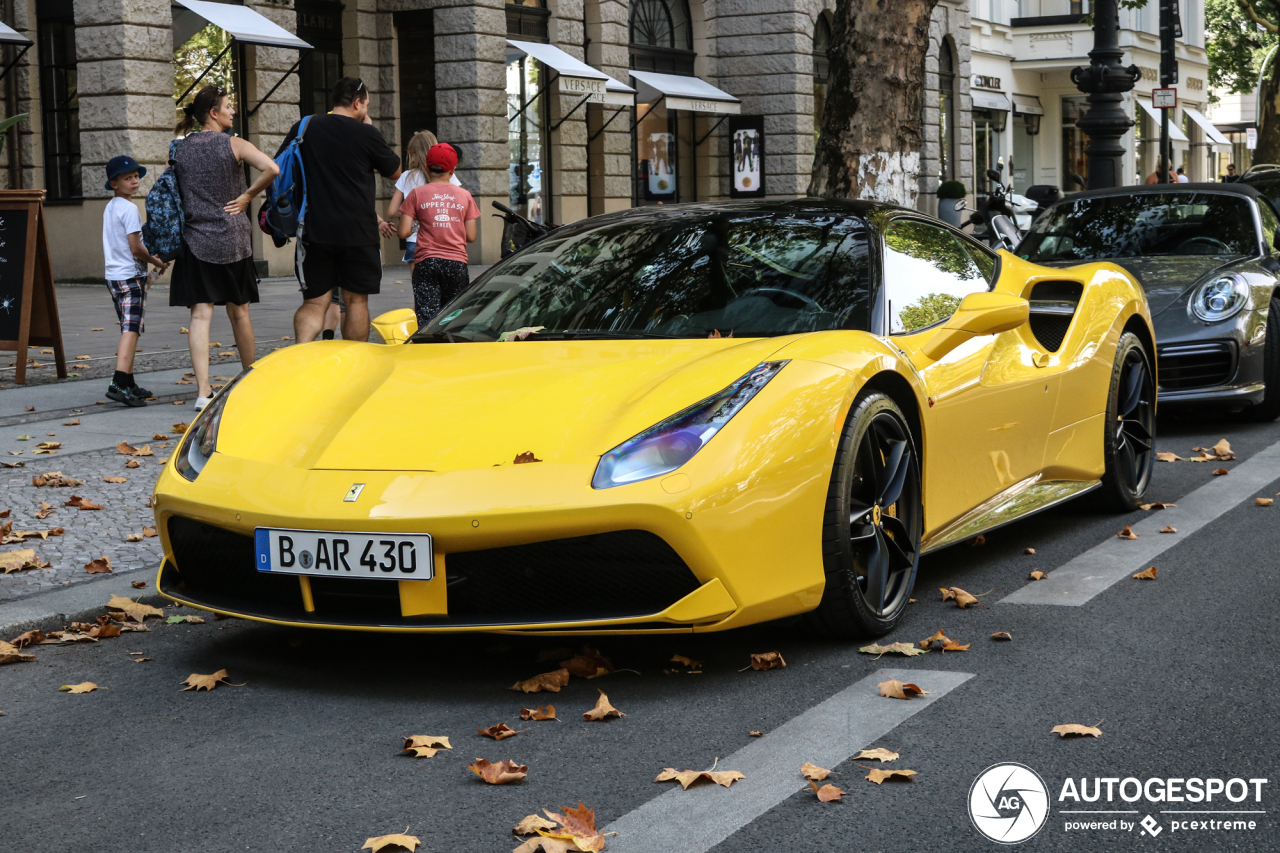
{"x": 687, "y": 274}
{"x": 1142, "y": 225}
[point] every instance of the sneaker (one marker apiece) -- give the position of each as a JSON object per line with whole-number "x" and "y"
{"x": 326, "y": 335}
{"x": 201, "y": 402}
{"x": 125, "y": 395}
{"x": 142, "y": 392}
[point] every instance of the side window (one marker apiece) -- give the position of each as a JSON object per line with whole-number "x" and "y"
{"x": 1269, "y": 225}
{"x": 927, "y": 271}
{"x": 985, "y": 261}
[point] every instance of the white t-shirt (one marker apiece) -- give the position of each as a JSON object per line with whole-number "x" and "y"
{"x": 119, "y": 220}
{"x": 410, "y": 181}
{"x": 1183, "y": 179}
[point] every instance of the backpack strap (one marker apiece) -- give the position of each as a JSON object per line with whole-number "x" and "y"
{"x": 173, "y": 151}
{"x": 302, "y": 208}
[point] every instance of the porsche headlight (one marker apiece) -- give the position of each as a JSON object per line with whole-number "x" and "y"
{"x": 1219, "y": 298}
{"x": 669, "y": 444}
{"x": 202, "y": 438}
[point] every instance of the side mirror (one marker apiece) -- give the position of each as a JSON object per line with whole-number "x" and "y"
{"x": 979, "y": 314}
{"x": 960, "y": 206}
{"x": 1006, "y": 230}
{"x": 993, "y": 175}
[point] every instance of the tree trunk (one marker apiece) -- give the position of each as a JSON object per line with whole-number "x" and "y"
{"x": 1268, "y": 150}
{"x": 869, "y": 147}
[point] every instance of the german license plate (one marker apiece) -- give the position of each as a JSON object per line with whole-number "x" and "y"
{"x": 319, "y": 553}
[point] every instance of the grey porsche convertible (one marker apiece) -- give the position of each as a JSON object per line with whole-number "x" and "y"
{"x": 1207, "y": 258}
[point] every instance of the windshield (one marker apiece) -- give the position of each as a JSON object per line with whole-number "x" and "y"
{"x": 1142, "y": 225}
{"x": 686, "y": 274}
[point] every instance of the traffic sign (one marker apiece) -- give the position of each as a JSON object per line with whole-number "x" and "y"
{"x": 1164, "y": 99}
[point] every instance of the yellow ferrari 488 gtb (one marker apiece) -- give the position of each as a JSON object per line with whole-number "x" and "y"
{"x": 690, "y": 418}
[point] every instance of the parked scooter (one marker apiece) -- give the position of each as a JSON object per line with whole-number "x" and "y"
{"x": 518, "y": 232}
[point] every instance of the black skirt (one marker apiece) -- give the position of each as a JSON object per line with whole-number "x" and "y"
{"x": 195, "y": 281}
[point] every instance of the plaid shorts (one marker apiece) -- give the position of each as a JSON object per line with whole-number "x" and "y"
{"x": 130, "y": 298}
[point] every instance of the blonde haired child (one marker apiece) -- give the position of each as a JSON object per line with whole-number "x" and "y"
{"x": 413, "y": 176}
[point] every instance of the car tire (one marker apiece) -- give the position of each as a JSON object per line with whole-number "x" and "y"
{"x": 872, "y": 524}
{"x": 1269, "y": 408}
{"x": 1129, "y": 432}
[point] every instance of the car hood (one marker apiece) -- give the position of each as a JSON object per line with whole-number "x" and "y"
{"x": 1166, "y": 278}
{"x": 444, "y": 407}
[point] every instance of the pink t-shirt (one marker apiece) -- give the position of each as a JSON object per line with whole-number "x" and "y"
{"x": 442, "y": 211}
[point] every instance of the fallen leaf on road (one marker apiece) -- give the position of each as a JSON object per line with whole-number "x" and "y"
{"x": 50, "y": 445}
{"x": 962, "y": 598}
{"x": 1157, "y": 505}
{"x": 766, "y": 661}
{"x": 1076, "y": 730}
{"x": 396, "y": 841}
{"x": 180, "y": 427}
{"x": 10, "y": 653}
{"x": 576, "y": 825}
{"x": 498, "y": 732}
{"x": 64, "y": 637}
{"x": 1037, "y": 575}
{"x": 1262, "y": 501}
{"x": 115, "y": 479}
{"x": 880, "y": 776}
{"x": 55, "y": 479}
{"x": 895, "y": 648}
{"x": 82, "y": 687}
{"x": 1146, "y": 574}
{"x": 827, "y": 793}
{"x": 754, "y": 733}
{"x": 724, "y": 778}
{"x": 150, "y": 532}
{"x": 977, "y": 540}
{"x": 180, "y": 620}
{"x": 133, "y": 537}
{"x": 525, "y": 457}
{"x": 208, "y": 682}
{"x": 877, "y": 754}
{"x": 136, "y": 611}
{"x": 602, "y": 710}
{"x": 28, "y": 638}
{"x": 5, "y": 513}
{"x": 687, "y": 661}
{"x": 159, "y": 437}
{"x": 29, "y": 408}
{"x": 16, "y": 561}
{"x": 588, "y": 663}
{"x": 96, "y": 329}
{"x": 72, "y": 422}
{"x": 814, "y": 772}
{"x": 133, "y": 463}
{"x": 1222, "y": 448}
{"x": 1029, "y": 551}
{"x": 538, "y": 714}
{"x": 138, "y": 584}
{"x": 129, "y": 450}
{"x": 425, "y": 746}
{"x": 548, "y": 681}
{"x": 105, "y": 632}
{"x": 500, "y": 773}
{"x": 530, "y": 825}
{"x": 1221, "y": 472}
{"x": 100, "y": 566}
{"x": 894, "y": 689}
{"x": 1002, "y": 635}
{"x": 1127, "y": 533}
{"x": 44, "y": 511}
{"x": 140, "y": 660}
{"x": 1167, "y": 529}
{"x": 1168, "y": 457}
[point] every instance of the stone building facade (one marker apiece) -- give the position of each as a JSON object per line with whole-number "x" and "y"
{"x": 100, "y": 81}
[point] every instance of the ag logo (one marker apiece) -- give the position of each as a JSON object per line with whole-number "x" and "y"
{"x": 1008, "y": 803}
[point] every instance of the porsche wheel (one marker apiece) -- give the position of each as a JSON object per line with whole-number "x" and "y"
{"x": 873, "y": 522}
{"x": 1128, "y": 443}
{"x": 1269, "y": 408}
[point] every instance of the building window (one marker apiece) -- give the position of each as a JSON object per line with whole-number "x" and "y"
{"x": 59, "y": 101}
{"x": 821, "y": 70}
{"x": 527, "y": 20}
{"x": 946, "y": 112}
{"x": 988, "y": 129}
{"x": 1074, "y": 143}
{"x": 320, "y": 25}
{"x": 661, "y": 37}
{"x": 416, "y": 39}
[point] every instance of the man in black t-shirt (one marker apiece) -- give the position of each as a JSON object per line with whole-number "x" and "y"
{"x": 340, "y": 245}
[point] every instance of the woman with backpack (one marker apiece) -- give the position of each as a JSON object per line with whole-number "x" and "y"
{"x": 217, "y": 266}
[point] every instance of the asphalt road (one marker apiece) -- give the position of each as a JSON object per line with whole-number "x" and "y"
{"x": 1181, "y": 672}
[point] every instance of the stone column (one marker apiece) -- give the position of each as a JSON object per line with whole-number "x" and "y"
{"x": 610, "y": 170}
{"x": 568, "y": 143}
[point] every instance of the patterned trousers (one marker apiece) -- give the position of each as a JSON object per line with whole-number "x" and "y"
{"x": 436, "y": 282}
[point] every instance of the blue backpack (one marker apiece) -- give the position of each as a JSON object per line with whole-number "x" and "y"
{"x": 285, "y": 209}
{"x": 162, "y": 234}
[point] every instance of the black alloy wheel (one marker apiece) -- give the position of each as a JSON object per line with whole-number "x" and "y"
{"x": 873, "y": 524}
{"x": 1129, "y": 440}
{"x": 1269, "y": 408}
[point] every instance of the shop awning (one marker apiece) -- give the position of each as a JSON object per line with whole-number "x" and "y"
{"x": 575, "y": 76}
{"x": 1027, "y": 105}
{"x": 8, "y": 35}
{"x": 685, "y": 93}
{"x": 989, "y": 100}
{"x": 244, "y": 24}
{"x": 1175, "y": 132}
{"x": 1215, "y": 136}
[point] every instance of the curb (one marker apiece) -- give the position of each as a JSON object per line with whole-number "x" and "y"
{"x": 83, "y": 602}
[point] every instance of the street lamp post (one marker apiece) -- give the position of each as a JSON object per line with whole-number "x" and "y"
{"x": 1105, "y": 81}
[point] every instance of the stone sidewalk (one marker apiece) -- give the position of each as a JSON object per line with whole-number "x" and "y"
{"x": 87, "y": 449}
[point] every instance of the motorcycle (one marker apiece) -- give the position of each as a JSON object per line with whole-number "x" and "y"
{"x": 517, "y": 231}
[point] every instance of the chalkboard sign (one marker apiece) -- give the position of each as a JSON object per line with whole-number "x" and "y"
{"x": 28, "y": 304}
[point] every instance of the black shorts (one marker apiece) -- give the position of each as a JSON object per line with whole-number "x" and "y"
{"x": 357, "y": 269}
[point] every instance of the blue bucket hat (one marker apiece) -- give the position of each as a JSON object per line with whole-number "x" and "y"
{"x": 117, "y": 166}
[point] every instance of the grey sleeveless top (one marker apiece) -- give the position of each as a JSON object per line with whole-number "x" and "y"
{"x": 208, "y": 178}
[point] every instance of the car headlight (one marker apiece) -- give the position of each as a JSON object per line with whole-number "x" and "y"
{"x": 202, "y": 438}
{"x": 1219, "y": 298}
{"x": 669, "y": 444}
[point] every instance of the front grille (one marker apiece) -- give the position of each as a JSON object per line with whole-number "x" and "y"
{"x": 603, "y": 576}
{"x": 1184, "y": 366}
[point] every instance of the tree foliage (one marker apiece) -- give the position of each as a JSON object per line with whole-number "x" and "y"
{"x": 194, "y": 56}
{"x": 1236, "y": 45}
{"x": 928, "y": 310}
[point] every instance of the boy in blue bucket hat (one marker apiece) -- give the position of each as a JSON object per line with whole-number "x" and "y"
{"x": 126, "y": 273}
